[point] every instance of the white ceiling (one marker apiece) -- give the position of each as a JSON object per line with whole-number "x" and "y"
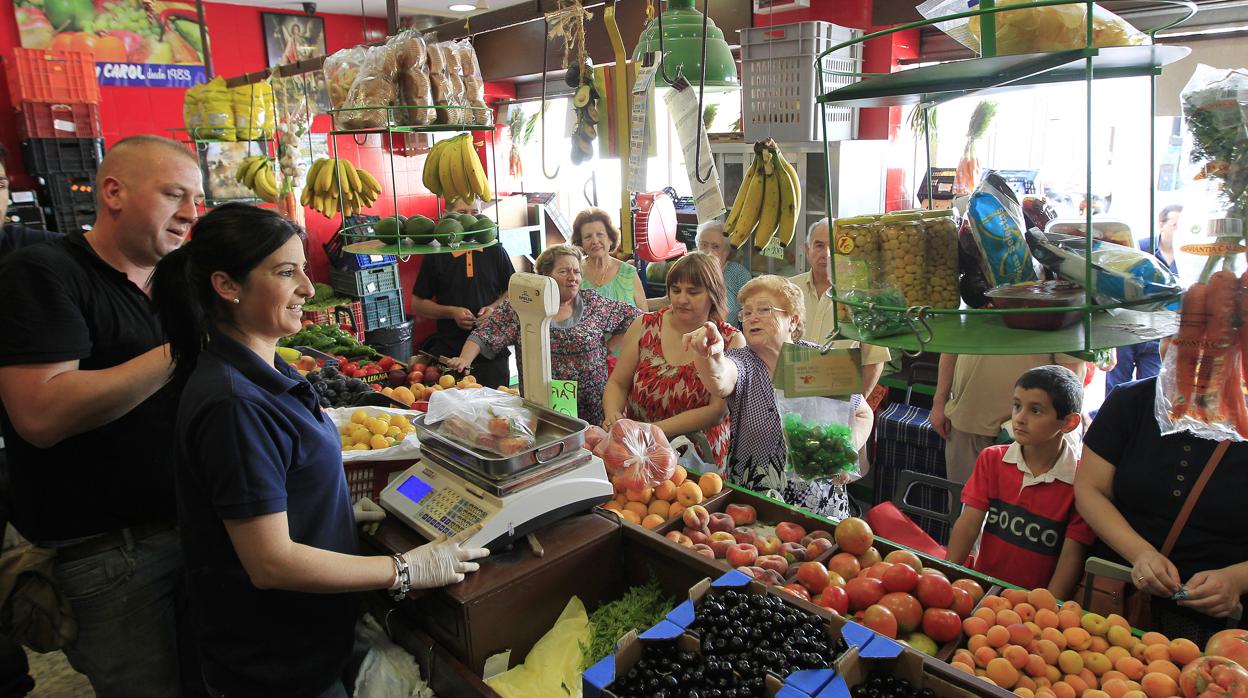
{"x": 376, "y": 8}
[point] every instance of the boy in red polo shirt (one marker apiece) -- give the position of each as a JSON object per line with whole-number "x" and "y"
{"x": 1024, "y": 492}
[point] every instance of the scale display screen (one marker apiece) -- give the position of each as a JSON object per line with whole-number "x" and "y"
{"x": 415, "y": 489}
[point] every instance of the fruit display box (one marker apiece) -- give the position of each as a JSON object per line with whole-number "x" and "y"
{"x": 52, "y": 155}
{"x": 923, "y": 677}
{"x": 43, "y": 120}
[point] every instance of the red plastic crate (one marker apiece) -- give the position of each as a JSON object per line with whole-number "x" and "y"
{"x": 53, "y": 76}
{"x": 48, "y": 120}
{"x": 369, "y": 478}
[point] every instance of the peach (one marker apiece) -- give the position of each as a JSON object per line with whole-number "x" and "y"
{"x": 679, "y": 538}
{"x": 640, "y": 494}
{"x": 1137, "y": 651}
{"x": 1053, "y": 674}
{"x": 789, "y": 532}
{"x": 1025, "y": 683}
{"x": 720, "y": 522}
{"x": 742, "y": 514}
{"x": 1076, "y": 683}
{"x": 988, "y": 615}
{"x": 652, "y": 521}
{"x": 1135, "y": 693}
{"x": 688, "y": 493}
{"x": 1130, "y": 667}
{"x": 1111, "y": 675}
{"x": 1063, "y": 690}
{"x": 630, "y": 516}
{"x": 742, "y": 554}
{"x": 768, "y": 545}
{"x": 720, "y": 541}
{"x": 817, "y": 547}
{"x": 711, "y": 484}
{"x": 1158, "y": 685}
{"x": 1153, "y": 638}
{"x": 696, "y": 517}
{"x": 697, "y": 535}
{"x": 773, "y": 562}
{"x": 964, "y": 656}
{"x": 1094, "y": 693}
{"x": 1072, "y": 606}
{"x": 1024, "y": 692}
{"x": 638, "y": 508}
{"x": 704, "y": 550}
{"x": 744, "y": 535}
{"x": 660, "y": 507}
{"x": 679, "y": 475}
{"x": 1115, "y": 619}
{"x": 666, "y": 491}
{"x": 994, "y": 602}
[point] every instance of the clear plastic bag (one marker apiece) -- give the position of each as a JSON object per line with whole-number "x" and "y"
{"x": 413, "y": 80}
{"x": 872, "y": 322}
{"x": 818, "y": 436}
{"x": 483, "y": 419}
{"x": 1118, "y": 273}
{"x": 388, "y": 670}
{"x": 1212, "y": 414}
{"x": 1035, "y": 29}
{"x": 374, "y": 86}
{"x": 340, "y": 70}
{"x": 637, "y": 455}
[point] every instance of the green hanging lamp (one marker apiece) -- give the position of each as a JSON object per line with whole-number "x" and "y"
{"x": 677, "y": 32}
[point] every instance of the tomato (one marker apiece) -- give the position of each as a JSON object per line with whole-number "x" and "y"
{"x": 386, "y": 363}
{"x": 350, "y": 368}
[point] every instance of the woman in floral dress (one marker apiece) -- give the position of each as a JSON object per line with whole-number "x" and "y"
{"x": 655, "y": 380}
{"x": 578, "y": 332}
{"x": 771, "y": 315}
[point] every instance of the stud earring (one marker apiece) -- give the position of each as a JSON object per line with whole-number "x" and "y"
{"x": 236, "y": 301}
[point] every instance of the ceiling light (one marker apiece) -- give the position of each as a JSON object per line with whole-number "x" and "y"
{"x": 462, "y": 7}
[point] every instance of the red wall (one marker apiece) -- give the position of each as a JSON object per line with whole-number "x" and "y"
{"x": 238, "y": 47}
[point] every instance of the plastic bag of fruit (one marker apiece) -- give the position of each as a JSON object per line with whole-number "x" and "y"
{"x": 818, "y": 436}
{"x": 637, "y": 455}
{"x": 483, "y": 419}
{"x": 375, "y": 433}
{"x": 1035, "y": 29}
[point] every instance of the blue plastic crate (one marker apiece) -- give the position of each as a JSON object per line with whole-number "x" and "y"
{"x": 365, "y": 282}
{"x": 382, "y": 310}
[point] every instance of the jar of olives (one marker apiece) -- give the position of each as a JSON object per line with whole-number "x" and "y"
{"x": 856, "y": 252}
{"x": 903, "y": 256}
{"x": 940, "y": 244}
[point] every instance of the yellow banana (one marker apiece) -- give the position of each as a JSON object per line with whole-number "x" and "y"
{"x": 313, "y": 174}
{"x": 305, "y": 196}
{"x": 454, "y": 179}
{"x": 770, "y": 215}
{"x": 478, "y": 182}
{"x": 325, "y": 176}
{"x": 790, "y": 193}
{"x": 730, "y": 223}
{"x": 431, "y": 176}
{"x": 352, "y": 175}
{"x": 249, "y": 177}
{"x": 243, "y": 167}
{"x": 331, "y": 208}
{"x": 369, "y": 182}
{"x": 265, "y": 186}
{"x": 751, "y": 210}
{"x": 318, "y": 202}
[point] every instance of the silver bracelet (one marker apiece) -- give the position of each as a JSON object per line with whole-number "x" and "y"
{"x": 402, "y": 578}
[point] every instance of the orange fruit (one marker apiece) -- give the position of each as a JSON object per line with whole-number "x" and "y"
{"x": 1067, "y": 619}
{"x": 666, "y": 491}
{"x": 976, "y": 641}
{"x": 1025, "y": 611}
{"x": 711, "y": 484}
{"x": 679, "y": 475}
{"x": 1152, "y": 638}
{"x": 1077, "y": 638}
{"x": 1055, "y": 636}
{"x": 1115, "y": 688}
{"x": 1042, "y": 599}
{"x": 975, "y": 626}
{"x": 985, "y": 654}
{"x": 1035, "y": 666}
{"x": 652, "y": 521}
{"x": 1008, "y": 617}
{"x": 1015, "y": 655}
{"x": 1070, "y": 662}
{"x": 1063, "y": 690}
{"x": 1020, "y": 634}
{"x": 660, "y": 508}
{"x": 1154, "y": 653}
{"x": 639, "y": 510}
{"x": 1048, "y": 651}
{"x": 1116, "y": 653}
{"x": 1076, "y": 683}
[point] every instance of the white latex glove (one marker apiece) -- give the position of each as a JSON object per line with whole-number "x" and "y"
{"x": 369, "y": 514}
{"x": 443, "y": 561}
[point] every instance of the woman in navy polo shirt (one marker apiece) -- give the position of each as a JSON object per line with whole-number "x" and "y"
{"x": 265, "y": 515}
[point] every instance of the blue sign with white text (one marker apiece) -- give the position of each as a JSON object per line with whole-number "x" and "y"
{"x": 149, "y": 75}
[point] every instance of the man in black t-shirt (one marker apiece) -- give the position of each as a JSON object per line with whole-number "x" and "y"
{"x": 89, "y": 419}
{"x": 458, "y": 289}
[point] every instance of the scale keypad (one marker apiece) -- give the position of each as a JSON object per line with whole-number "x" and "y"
{"x": 450, "y": 513}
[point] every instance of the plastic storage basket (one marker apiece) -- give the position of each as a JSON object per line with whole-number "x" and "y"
{"x": 780, "y": 86}
{"x": 53, "y": 155}
{"x": 369, "y": 478}
{"x": 44, "y": 120}
{"x": 53, "y": 76}
{"x": 70, "y": 190}
{"x": 382, "y": 310}
{"x": 365, "y": 282}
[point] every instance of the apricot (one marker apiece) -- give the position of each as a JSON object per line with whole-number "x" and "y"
{"x": 985, "y": 654}
{"x": 1098, "y": 644}
{"x": 660, "y": 507}
{"x": 1008, "y": 617}
{"x": 963, "y": 656}
{"x": 1063, "y": 690}
{"x": 1077, "y": 638}
{"x": 1098, "y": 663}
{"x": 711, "y": 484}
{"x": 1069, "y": 662}
{"x": 1048, "y": 651}
{"x": 1135, "y": 694}
{"x": 676, "y": 509}
{"x": 1002, "y": 672}
{"x": 642, "y": 494}
{"x": 1014, "y": 596}
{"x": 1044, "y": 684}
{"x": 1035, "y": 666}
{"x": 640, "y": 510}
{"x": 1163, "y": 666}
{"x": 1115, "y": 688}
{"x": 975, "y": 626}
{"x": 1111, "y": 675}
{"x": 1042, "y": 599}
{"x": 1093, "y": 693}
{"x": 1015, "y": 655}
{"x": 1025, "y": 681}
{"x": 1116, "y": 653}
{"x": 688, "y": 493}
{"x": 996, "y": 603}
{"x": 1153, "y": 638}
{"x": 1154, "y": 653}
{"x": 613, "y": 506}
{"x": 1115, "y": 619}
{"x": 1023, "y": 692}
{"x": 653, "y": 521}
{"x": 1067, "y": 619}
{"x": 1076, "y": 683}
{"x": 976, "y": 641}
{"x": 1137, "y": 651}
{"x": 1072, "y": 606}
{"x": 666, "y": 491}
{"x": 1020, "y": 634}
{"x": 679, "y": 475}
{"x": 630, "y": 516}
{"x": 1025, "y": 611}
{"x": 1089, "y": 678}
{"x": 998, "y": 636}
{"x": 1183, "y": 651}
{"x": 964, "y": 668}
{"x": 1130, "y": 667}
{"x": 1053, "y": 674}
{"x": 1054, "y": 636}
{"x": 1158, "y": 685}
{"x": 1046, "y": 618}
{"x": 1121, "y": 637}
{"x": 988, "y": 615}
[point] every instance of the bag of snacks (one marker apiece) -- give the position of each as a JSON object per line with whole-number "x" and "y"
{"x": 997, "y": 228}
{"x": 340, "y": 70}
{"x": 483, "y": 419}
{"x": 1118, "y": 273}
{"x": 413, "y": 78}
{"x": 873, "y": 322}
{"x": 637, "y": 455}
{"x": 1035, "y": 29}
{"x": 474, "y": 84}
{"x": 374, "y": 86}
{"x": 218, "y": 111}
{"x": 193, "y": 111}
{"x": 253, "y": 110}
{"x": 817, "y": 434}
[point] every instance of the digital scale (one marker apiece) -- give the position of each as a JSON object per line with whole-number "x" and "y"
{"x": 444, "y": 495}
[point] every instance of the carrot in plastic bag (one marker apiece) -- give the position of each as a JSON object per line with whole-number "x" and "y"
{"x": 1192, "y": 321}
{"x": 1219, "y": 343}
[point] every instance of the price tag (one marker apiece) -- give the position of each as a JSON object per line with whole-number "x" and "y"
{"x": 773, "y": 250}
{"x": 563, "y": 397}
{"x": 1216, "y": 249}
{"x": 804, "y": 372}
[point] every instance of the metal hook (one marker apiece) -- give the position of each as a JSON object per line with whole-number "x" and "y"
{"x": 697, "y": 148}
{"x": 917, "y": 315}
{"x": 662, "y": 53}
{"x": 542, "y": 114}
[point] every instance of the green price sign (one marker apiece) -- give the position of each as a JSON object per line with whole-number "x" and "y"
{"x": 563, "y": 397}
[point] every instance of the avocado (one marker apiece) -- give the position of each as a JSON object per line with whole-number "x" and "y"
{"x": 482, "y": 223}
{"x": 447, "y": 227}
{"x": 467, "y": 220}
{"x": 418, "y": 226}
{"x": 485, "y": 236}
{"x": 388, "y": 228}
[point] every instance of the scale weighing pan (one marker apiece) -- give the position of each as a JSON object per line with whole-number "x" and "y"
{"x": 520, "y": 481}
{"x": 557, "y": 435}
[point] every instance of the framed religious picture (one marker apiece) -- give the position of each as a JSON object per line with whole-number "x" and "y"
{"x": 292, "y": 38}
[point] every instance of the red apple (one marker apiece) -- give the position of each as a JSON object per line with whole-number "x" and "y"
{"x": 907, "y": 557}
{"x": 742, "y": 514}
{"x": 963, "y": 604}
{"x": 845, "y": 565}
{"x": 934, "y": 591}
{"x": 720, "y": 541}
{"x": 816, "y": 547}
{"x": 900, "y": 577}
{"x": 863, "y": 591}
{"x": 906, "y": 609}
{"x": 793, "y": 552}
{"x": 767, "y": 545}
{"x": 971, "y": 587}
{"x": 697, "y": 536}
{"x": 797, "y": 590}
{"x": 773, "y": 562}
{"x": 789, "y": 532}
{"x": 877, "y": 570}
{"x": 854, "y": 536}
{"x": 744, "y": 536}
{"x": 814, "y": 576}
{"x": 941, "y": 625}
{"x": 742, "y": 554}
{"x": 720, "y": 522}
{"x": 1231, "y": 643}
{"x": 704, "y": 549}
{"x": 696, "y": 517}
{"x": 881, "y": 620}
{"x": 835, "y": 598}
{"x": 869, "y": 558}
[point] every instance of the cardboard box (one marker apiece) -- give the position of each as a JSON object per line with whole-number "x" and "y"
{"x": 922, "y": 672}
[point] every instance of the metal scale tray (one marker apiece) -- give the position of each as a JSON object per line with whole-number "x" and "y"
{"x": 502, "y": 486}
{"x": 558, "y": 435}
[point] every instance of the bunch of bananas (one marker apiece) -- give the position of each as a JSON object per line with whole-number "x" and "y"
{"x": 256, "y": 173}
{"x": 767, "y": 202}
{"x": 453, "y": 171}
{"x": 336, "y": 185}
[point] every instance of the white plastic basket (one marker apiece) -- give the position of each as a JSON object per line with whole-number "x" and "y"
{"x": 780, "y": 87}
